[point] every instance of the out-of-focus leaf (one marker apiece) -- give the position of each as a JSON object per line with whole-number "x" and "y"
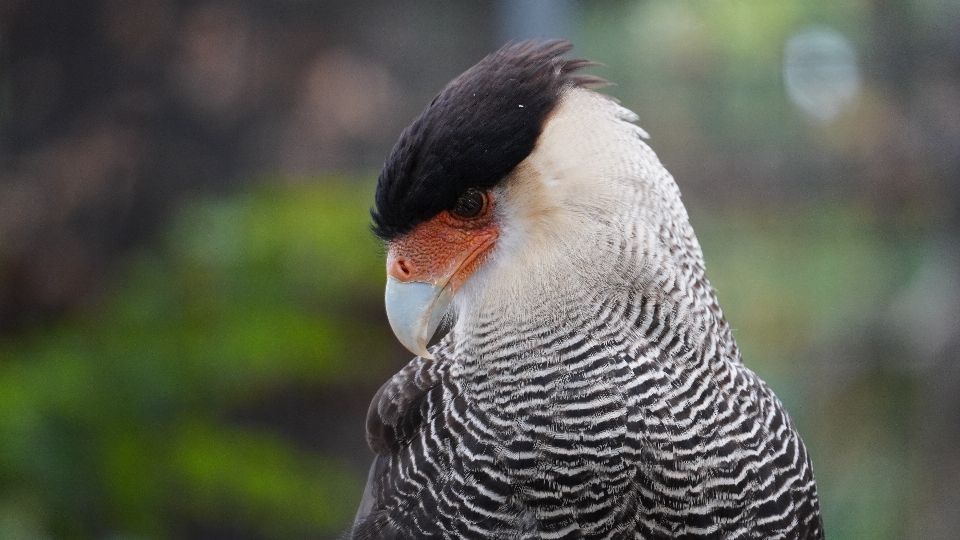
{"x": 228, "y": 473}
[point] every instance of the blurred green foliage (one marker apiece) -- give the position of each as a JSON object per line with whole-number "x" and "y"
{"x": 802, "y": 275}
{"x": 115, "y": 421}
{"x": 700, "y": 72}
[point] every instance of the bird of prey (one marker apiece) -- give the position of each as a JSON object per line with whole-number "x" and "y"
{"x": 575, "y": 375}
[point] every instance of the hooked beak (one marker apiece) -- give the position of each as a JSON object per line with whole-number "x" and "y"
{"x": 416, "y": 310}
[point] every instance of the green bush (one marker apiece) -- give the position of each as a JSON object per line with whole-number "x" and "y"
{"x": 116, "y": 421}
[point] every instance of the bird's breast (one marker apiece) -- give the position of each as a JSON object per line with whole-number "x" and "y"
{"x": 562, "y": 425}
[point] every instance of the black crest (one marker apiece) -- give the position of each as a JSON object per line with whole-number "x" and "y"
{"x": 481, "y": 126}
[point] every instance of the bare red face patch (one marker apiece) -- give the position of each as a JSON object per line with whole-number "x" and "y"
{"x": 448, "y": 248}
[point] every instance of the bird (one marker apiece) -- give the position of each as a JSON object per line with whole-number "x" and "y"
{"x": 575, "y": 376}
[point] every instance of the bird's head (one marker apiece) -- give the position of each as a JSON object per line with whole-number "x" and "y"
{"x": 507, "y": 182}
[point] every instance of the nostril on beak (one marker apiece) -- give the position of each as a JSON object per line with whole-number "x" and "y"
{"x": 401, "y": 269}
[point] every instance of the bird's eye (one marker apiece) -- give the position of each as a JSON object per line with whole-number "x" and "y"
{"x": 470, "y": 204}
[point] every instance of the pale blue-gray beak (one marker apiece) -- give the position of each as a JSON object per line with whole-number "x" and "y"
{"x": 415, "y": 311}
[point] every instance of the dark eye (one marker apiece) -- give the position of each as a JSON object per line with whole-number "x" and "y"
{"x": 469, "y": 205}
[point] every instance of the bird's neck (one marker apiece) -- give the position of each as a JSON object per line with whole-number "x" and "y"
{"x": 592, "y": 226}
{"x": 589, "y": 295}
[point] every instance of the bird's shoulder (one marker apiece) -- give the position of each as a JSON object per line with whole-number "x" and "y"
{"x": 398, "y": 409}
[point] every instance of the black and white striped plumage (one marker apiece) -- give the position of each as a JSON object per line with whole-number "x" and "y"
{"x": 590, "y": 387}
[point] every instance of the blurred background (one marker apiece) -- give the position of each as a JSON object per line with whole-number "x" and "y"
{"x": 191, "y": 321}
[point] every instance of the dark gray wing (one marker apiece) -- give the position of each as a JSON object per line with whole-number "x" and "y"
{"x": 395, "y": 416}
{"x": 437, "y": 473}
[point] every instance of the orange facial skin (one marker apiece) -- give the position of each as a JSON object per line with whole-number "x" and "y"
{"x": 445, "y": 250}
